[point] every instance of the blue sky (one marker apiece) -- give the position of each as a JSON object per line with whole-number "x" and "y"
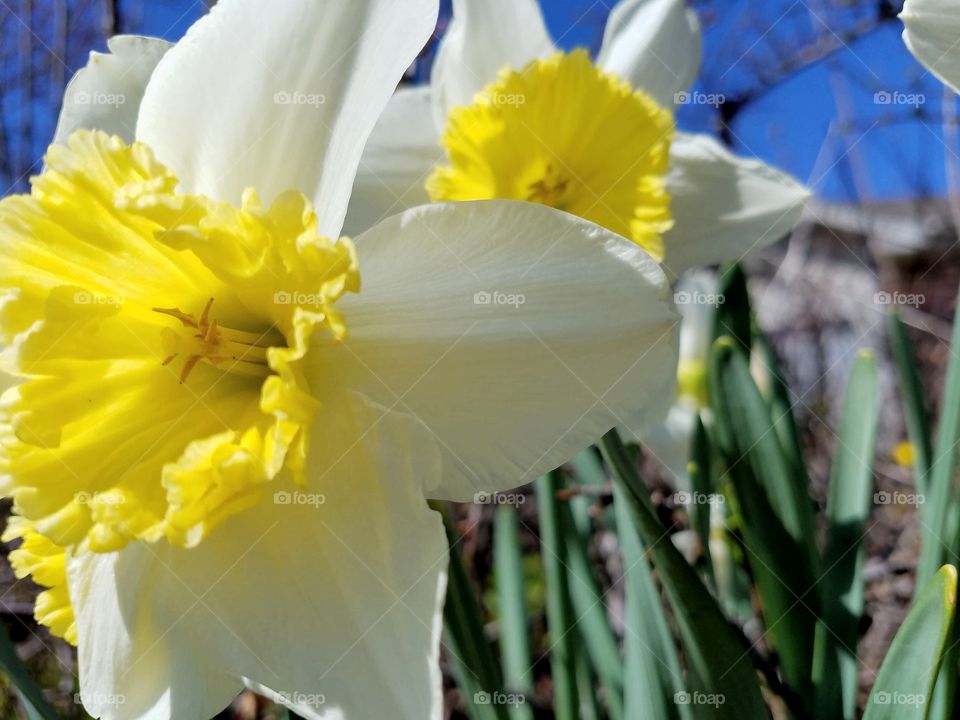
{"x": 825, "y": 90}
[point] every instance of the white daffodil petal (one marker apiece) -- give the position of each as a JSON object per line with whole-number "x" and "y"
{"x": 131, "y": 662}
{"x": 932, "y": 33}
{"x": 281, "y": 96}
{"x": 516, "y": 333}
{"x": 697, "y": 298}
{"x": 329, "y": 594}
{"x": 653, "y": 44}
{"x": 398, "y": 158}
{"x": 484, "y": 37}
{"x": 724, "y": 206}
{"x": 669, "y": 444}
{"x": 106, "y": 94}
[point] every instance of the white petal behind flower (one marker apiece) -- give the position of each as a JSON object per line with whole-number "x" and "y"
{"x": 402, "y": 150}
{"x": 724, "y": 206}
{"x": 106, "y": 94}
{"x": 670, "y": 443}
{"x": 932, "y": 34}
{"x": 653, "y": 44}
{"x": 482, "y": 38}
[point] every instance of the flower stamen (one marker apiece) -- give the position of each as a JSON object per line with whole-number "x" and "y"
{"x": 223, "y": 348}
{"x": 550, "y": 189}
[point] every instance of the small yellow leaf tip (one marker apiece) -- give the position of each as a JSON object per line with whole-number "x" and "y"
{"x": 724, "y": 341}
{"x": 949, "y": 573}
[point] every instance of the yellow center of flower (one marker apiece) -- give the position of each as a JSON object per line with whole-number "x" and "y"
{"x": 203, "y": 339}
{"x": 160, "y": 341}
{"x": 563, "y": 133}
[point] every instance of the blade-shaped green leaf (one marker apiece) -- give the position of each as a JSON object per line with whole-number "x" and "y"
{"x": 733, "y": 316}
{"x": 560, "y": 616}
{"x": 914, "y": 407}
{"x": 719, "y": 664}
{"x": 904, "y": 686}
{"x": 590, "y": 708}
{"x": 30, "y": 693}
{"x": 592, "y": 623}
{"x": 652, "y": 667}
{"x": 700, "y": 471}
{"x": 775, "y": 389}
{"x": 514, "y": 633}
{"x": 778, "y": 528}
{"x": 938, "y": 522}
{"x": 471, "y": 656}
{"x": 841, "y": 585}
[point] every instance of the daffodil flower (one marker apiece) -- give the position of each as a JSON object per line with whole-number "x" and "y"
{"x": 508, "y": 115}
{"x": 697, "y": 298}
{"x": 931, "y": 32}
{"x": 228, "y": 416}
